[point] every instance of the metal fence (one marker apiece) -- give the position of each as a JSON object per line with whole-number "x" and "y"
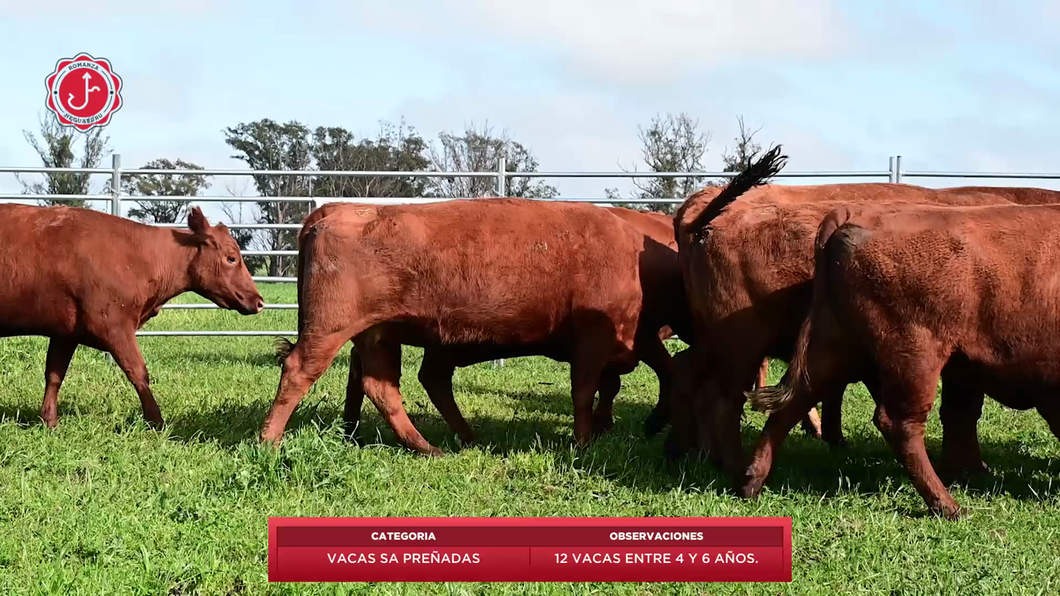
{"x": 115, "y": 198}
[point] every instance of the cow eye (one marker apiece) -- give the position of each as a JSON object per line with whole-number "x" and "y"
{"x": 232, "y": 260}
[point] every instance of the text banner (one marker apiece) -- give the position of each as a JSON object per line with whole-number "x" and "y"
{"x": 530, "y": 549}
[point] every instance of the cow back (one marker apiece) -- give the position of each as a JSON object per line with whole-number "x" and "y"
{"x": 474, "y": 271}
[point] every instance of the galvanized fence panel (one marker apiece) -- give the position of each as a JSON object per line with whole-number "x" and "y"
{"x": 115, "y": 198}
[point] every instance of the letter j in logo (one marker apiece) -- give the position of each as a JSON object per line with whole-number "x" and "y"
{"x": 83, "y": 92}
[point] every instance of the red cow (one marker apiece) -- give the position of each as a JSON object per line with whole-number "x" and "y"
{"x": 82, "y": 277}
{"x": 483, "y": 279}
{"x": 664, "y": 305}
{"x": 748, "y": 268}
{"x": 967, "y": 293}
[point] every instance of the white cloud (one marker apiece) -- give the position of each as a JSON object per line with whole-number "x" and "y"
{"x": 631, "y": 42}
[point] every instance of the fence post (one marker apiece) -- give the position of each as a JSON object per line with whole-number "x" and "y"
{"x": 501, "y": 191}
{"x": 501, "y": 186}
{"x": 115, "y": 185}
{"x": 898, "y": 169}
{"x": 890, "y": 169}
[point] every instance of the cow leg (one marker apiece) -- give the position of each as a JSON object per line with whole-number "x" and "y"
{"x": 60, "y": 351}
{"x": 1050, "y": 411}
{"x": 908, "y": 393}
{"x": 962, "y": 406}
{"x": 585, "y": 371}
{"x": 127, "y": 355}
{"x": 682, "y": 405}
{"x": 311, "y": 356}
{"x": 603, "y": 415}
{"x": 351, "y": 412}
{"x": 832, "y": 418}
{"x": 880, "y": 419}
{"x": 779, "y": 425}
{"x": 725, "y": 412}
{"x": 653, "y": 352}
{"x": 811, "y": 423}
{"x": 724, "y": 390}
{"x": 763, "y": 374}
{"x": 382, "y": 376}
{"x": 436, "y": 376}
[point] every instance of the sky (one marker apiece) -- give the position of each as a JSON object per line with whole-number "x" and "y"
{"x": 967, "y": 85}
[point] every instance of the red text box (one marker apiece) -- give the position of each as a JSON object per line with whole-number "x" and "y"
{"x": 552, "y": 549}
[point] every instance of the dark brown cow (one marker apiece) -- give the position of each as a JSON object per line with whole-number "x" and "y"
{"x": 81, "y": 277}
{"x": 968, "y": 293}
{"x": 748, "y": 269}
{"x": 664, "y": 306}
{"x": 491, "y": 277}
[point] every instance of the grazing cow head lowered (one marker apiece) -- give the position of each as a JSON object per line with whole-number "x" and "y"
{"x": 217, "y": 271}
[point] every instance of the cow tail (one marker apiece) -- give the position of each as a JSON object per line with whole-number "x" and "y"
{"x": 756, "y": 174}
{"x": 797, "y": 377}
{"x": 283, "y": 346}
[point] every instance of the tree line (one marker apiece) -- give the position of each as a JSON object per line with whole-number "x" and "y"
{"x": 671, "y": 142}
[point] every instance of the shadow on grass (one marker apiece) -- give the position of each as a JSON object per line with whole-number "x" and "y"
{"x": 25, "y": 415}
{"x": 869, "y": 466}
{"x": 264, "y": 359}
{"x": 804, "y": 464}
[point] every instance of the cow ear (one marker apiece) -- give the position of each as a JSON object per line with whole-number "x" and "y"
{"x": 197, "y": 221}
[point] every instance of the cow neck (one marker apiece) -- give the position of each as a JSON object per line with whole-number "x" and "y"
{"x": 171, "y": 268}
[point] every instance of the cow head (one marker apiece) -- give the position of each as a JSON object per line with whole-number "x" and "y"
{"x": 217, "y": 271}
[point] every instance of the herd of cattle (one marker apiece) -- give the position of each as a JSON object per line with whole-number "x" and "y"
{"x": 892, "y": 285}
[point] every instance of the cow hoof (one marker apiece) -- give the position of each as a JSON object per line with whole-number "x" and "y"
{"x": 840, "y": 445}
{"x": 672, "y": 451}
{"x": 951, "y": 512}
{"x": 750, "y": 486}
{"x": 430, "y": 451}
{"x": 601, "y": 427}
{"x": 653, "y": 425}
{"x": 50, "y": 422}
{"x": 811, "y": 430}
{"x": 267, "y": 438}
{"x": 956, "y": 472}
{"x": 716, "y": 461}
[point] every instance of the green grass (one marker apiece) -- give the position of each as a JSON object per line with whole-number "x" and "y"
{"x": 103, "y": 505}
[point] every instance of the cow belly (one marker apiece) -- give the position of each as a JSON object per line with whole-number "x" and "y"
{"x": 1019, "y": 384}
{"x": 35, "y": 312}
{"x": 496, "y": 325}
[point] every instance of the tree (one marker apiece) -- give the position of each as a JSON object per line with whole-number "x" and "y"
{"x": 670, "y": 144}
{"x": 245, "y": 238}
{"x": 268, "y": 145}
{"x": 56, "y": 149}
{"x": 396, "y": 148}
{"x": 480, "y": 151}
{"x": 163, "y": 185}
{"x": 745, "y": 152}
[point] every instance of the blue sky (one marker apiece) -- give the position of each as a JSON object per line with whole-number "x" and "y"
{"x": 969, "y": 85}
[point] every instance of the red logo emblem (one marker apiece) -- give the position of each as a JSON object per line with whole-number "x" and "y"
{"x": 83, "y": 91}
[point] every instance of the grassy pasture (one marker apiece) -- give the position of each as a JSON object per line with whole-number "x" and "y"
{"x": 103, "y": 505}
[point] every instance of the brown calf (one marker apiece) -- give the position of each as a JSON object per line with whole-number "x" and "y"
{"x": 966, "y": 292}
{"x": 81, "y": 277}
{"x": 664, "y": 305}
{"x": 490, "y": 277}
{"x": 748, "y": 269}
